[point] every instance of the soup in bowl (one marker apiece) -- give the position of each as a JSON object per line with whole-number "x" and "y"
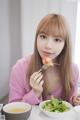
{"x": 17, "y": 111}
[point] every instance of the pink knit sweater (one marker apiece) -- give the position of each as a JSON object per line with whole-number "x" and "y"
{"x": 19, "y": 87}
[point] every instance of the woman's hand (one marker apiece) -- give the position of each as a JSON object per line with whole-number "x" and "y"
{"x": 36, "y": 83}
{"x": 76, "y": 100}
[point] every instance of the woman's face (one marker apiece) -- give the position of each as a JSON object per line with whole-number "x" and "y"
{"x": 49, "y": 46}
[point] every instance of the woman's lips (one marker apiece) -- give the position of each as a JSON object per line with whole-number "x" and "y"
{"x": 47, "y": 53}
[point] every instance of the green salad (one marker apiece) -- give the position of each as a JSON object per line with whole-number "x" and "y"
{"x": 55, "y": 105}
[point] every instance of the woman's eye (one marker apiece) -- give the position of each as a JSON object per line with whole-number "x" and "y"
{"x": 43, "y": 36}
{"x": 58, "y": 40}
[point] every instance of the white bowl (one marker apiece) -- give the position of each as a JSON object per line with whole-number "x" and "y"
{"x": 56, "y": 114}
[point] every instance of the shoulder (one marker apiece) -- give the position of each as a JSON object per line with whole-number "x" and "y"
{"x": 22, "y": 63}
{"x": 19, "y": 70}
{"x": 75, "y": 71}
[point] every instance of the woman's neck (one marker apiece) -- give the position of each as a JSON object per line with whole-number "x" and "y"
{"x": 51, "y": 80}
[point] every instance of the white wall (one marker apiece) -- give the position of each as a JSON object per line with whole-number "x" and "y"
{"x": 4, "y": 47}
{"x": 15, "y": 30}
{"x": 69, "y": 9}
{"x": 10, "y": 40}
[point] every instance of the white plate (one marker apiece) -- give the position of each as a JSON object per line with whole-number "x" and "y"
{"x": 56, "y": 114}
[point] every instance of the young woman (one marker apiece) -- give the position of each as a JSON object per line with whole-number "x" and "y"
{"x": 29, "y": 84}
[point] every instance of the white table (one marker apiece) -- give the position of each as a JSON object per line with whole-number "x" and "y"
{"x": 36, "y": 114}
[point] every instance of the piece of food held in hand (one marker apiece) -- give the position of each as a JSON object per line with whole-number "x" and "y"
{"x": 47, "y": 61}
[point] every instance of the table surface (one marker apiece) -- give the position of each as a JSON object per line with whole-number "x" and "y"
{"x": 36, "y": 114}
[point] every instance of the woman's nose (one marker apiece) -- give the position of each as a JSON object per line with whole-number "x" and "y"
{"x": 48, "y": 44}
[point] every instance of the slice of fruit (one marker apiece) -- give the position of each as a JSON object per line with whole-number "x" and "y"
{"x": 47, "y": 61}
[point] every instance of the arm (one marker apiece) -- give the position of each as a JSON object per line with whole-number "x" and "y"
{"x": 76, "y": 80}
{"x": 19, "y": 87}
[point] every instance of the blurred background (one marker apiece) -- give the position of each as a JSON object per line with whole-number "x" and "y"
{"x": 18, "y": 23}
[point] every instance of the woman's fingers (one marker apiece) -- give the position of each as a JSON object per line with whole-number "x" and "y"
{"x": 76, "y": 100}
{"x": 37, "y": 76}
{"x": 41, "y": 83}
{"x": 36, "y": 83}
{"x": 78, "y": 97}
{"x": 33, "y": 75}
{"x": 38, "y": 79}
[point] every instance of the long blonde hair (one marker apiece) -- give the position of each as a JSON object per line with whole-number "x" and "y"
{"x": 54, "y": 24}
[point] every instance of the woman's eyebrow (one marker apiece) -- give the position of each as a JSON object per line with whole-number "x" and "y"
{"x": 42, "y": 33}
{"x": 59, "y": 37}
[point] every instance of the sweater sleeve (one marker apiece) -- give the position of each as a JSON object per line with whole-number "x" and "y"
{"x": 19, "y": 87}
{"x": 76, "y": 81}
